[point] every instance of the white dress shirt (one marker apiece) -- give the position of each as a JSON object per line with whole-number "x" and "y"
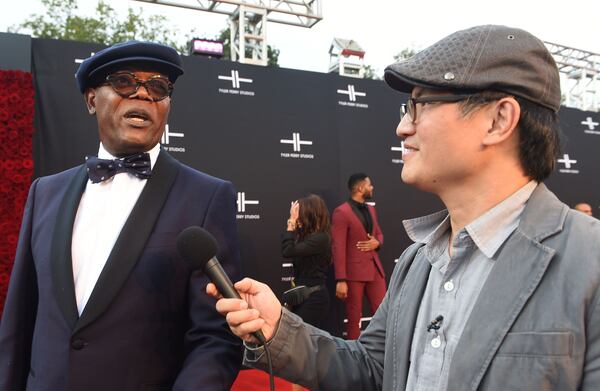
{"x": 102, "y": 212}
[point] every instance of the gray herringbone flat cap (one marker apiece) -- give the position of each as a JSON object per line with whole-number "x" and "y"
{"x": 487, "y": 57}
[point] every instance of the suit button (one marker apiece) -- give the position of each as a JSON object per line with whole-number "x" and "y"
{"x": 78, "y": 344}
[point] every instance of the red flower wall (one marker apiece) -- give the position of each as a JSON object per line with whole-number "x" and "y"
{"x": 16, "y": 163}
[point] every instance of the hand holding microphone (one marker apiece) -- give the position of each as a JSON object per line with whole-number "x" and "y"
{"x": 259, "y": 309}
{"x": 256, "y": 309}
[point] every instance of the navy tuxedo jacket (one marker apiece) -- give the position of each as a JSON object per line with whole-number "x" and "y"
{"x": 148, "y": 324}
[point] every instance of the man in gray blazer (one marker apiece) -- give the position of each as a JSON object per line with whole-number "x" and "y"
{"x": 501, "y": 290}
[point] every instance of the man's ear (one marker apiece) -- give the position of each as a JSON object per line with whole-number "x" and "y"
{"x": 90, "y": 100}
{"x": 361, "y": 187}
{"x": 505, "y": 115}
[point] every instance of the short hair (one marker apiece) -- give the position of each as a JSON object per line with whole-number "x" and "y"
{"x": 313, "y": 216}
{"x": 539, "y": 132}
{"x": 355, "y": 179}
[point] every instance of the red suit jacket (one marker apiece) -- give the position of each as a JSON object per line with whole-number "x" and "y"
{"x": 350, "y": 263}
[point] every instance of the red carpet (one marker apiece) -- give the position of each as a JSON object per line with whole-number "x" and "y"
{"x": 254, "y": 380}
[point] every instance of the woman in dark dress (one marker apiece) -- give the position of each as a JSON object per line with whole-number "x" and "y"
{"x": 307, "y": 241}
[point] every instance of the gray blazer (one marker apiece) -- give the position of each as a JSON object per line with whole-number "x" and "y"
{"x": 535, "y": 325}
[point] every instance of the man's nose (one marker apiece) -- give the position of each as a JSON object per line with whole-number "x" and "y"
{"x": 142, "y": 93}
{"x": 405, "y": 127}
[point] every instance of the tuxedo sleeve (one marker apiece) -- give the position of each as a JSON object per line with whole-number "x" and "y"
{"x": 214, "y": 354}
{"x": 20, "y": 308}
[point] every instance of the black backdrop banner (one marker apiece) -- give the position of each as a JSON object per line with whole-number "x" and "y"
{"x": 279, "y": 134}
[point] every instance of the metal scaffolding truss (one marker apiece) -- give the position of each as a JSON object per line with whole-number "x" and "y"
{"x": 248, "y": 28}
{"x": 302, "y": 13}
{"x": 580, "y": 76}
{"x": 247, "y": 21}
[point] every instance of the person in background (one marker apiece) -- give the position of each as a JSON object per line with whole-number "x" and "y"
{"x": 584, "y": 208}
{"x": 357, "y": 238}
{"x": 307, "y": 241}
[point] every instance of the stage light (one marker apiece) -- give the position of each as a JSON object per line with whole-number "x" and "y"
{"x": 207, "y": 47}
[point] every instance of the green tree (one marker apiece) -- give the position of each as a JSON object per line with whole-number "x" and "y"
{"x": 225, "y": 37}
{"x": 60, "y": 21}
{"x": 371, "y": 73}
{"x": 405, "y": 54}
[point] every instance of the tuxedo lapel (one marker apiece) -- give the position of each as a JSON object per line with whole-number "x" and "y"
{"x": 132, "y": 239}
{"x": 60, "y": 252}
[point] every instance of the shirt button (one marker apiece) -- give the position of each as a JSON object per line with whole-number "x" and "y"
{"x": 436, "y": 342}
{"x": 449, "y": 286}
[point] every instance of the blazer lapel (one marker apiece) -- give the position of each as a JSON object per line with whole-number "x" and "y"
{"x": 60, "y": 253}
{"x": 409, "y": 302}
{"x": 520, "y": 266}
{"x": 358, "y": 216}
{"x": 132, "y": 239}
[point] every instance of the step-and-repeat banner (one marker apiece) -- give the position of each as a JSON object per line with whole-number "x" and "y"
{"x": 278, "y": 135}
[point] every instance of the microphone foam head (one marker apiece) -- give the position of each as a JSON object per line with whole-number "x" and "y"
{"x": 196, "y": 246}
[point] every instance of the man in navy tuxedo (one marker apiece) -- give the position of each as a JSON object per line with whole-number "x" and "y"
{"x": 99, "y": 299}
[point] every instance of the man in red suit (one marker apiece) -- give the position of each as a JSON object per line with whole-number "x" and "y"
{"x": 356, "y": 239}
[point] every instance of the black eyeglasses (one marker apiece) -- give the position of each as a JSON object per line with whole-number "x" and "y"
{"x": 410, "y": 107}
{"x": 126, "y": 84}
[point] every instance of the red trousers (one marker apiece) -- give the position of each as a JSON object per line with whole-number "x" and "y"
{"x": 375, "y": 291}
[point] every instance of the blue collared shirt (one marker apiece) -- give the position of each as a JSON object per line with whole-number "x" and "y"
{"x": 454, "y": 281}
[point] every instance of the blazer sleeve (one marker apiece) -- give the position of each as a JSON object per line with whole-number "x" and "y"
{"x": 377, "y": 233}
{"x": 20, "y": 308}
{"x": 214, "y": 354}
{"x": 591, "y": 370}
{"x": 317, "y": 360}
{"x": 339, "y": 235}
{"x": 311, "y": 245}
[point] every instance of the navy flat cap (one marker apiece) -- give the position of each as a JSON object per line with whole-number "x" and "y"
{"x": 93, "y": 70}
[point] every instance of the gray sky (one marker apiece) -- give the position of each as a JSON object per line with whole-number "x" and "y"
{"x": 381, "y": 27}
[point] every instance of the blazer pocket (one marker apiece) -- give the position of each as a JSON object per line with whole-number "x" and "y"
{"x": 537, "y": 344}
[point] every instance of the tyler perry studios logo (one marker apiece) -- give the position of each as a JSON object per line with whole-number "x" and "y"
{"x": 296, "y": 142}
{"x": 80, "y": 60}
{"x": 398, "y": 149}
{"x": 288, "y": 273}
{"x": 352, "y": 94}
{"x": 168, "y": 137}
{"x": 591, "y": 126}
{"x": 236, "y": 84}
{"x": 568, "y": 164}
{"x": 362, "y": 323}
{"x": 244, "y": 206}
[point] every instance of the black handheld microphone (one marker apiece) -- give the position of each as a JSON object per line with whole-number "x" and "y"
{"x": 199, "y": 248}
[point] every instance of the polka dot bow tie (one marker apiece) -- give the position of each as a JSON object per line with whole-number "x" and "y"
{"x": 100, "y": 170}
